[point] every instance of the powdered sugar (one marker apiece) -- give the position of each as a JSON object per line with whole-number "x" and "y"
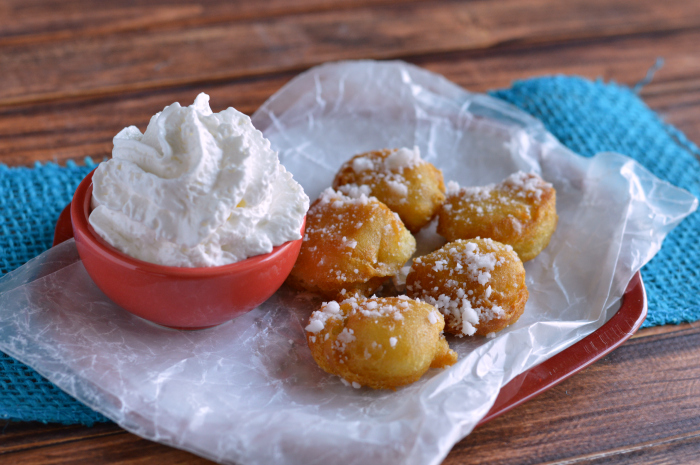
{"x": 376, "y": 168}
{"x": 526, "y": 184}
{"x": 318, "y": 318}
{"x": 462, "y": 261}
{"x": 333, "y": 220}
{"x": 453, "y": 188}
{"x": 373, "y": 308}
{"x": 402, "y": 158}
{"x": 483, "y": 199}
{"x": 355, "y": 191}
{"x": 360, "y": 164}
{"x": 478, "y": 193}
{"x": 345, "y": 337}
{"x": 433, "y": 317}
{"x": 398, "y": 188}
{"x": 358, "y": 195}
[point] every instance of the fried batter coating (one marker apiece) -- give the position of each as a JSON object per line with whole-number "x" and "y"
{"x": 407, "y": 184}
{"x": 382, "y": 343}
{"x": 350, "y": 244}
{"x": 520, "y": 211}
{"x": 477, "y": 284}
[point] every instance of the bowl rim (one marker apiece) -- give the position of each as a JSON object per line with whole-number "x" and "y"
{"x": 79, "y": 213}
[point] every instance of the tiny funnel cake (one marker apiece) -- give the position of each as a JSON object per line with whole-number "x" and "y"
{"x": 351, "y": 246}
{"x": 399, "y": 178}
{"x": 519, "y": 211}
{"x": 196, "y": 189}
{"x": 477, "y": 284}
{"x": 382, "y": 343}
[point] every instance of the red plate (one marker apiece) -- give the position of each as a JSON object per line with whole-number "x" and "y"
{"x": 547, "y": 374}
{"x": 64, "y": 227}
{"x": 553, "y": 371}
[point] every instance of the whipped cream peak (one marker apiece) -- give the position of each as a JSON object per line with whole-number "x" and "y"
{"x": 197, "y": 188}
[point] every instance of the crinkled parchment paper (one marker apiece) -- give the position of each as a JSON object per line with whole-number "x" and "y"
{"x": 248, "y": 391}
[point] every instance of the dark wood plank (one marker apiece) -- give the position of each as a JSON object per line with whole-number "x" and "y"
{"x": 76, "y": 129}
{"x": 658, "y": 330}
{"x": 85, "y": 127}
{"x": 678, "y": 104}
{"x": 35, "y": 21}
{"x": 150, "y": 59}
{"x": 122, "y": 448}
{"x": 638, "y": 405}
{"x": 18, "y": 436}
{"x": 679, "y": 449}
{"x": 641, "y": 398}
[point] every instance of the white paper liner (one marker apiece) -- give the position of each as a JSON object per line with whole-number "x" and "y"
{"x": 248, "y": 391}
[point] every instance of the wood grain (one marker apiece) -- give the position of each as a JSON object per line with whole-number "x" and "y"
{"x": 642, "y": 396}
{"x": 149, "y": 59}
{"x": 18, "y": 436}
{"x": 32, "y": 22}
{"x": 75, "y": 129}
{"x": 649, "y": 414}
{"x": 120, "y": 447}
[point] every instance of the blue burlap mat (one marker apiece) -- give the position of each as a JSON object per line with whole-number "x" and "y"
{"x": 588, "y": 117}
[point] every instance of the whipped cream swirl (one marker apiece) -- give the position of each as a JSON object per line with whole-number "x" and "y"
{"x": 196, "y": 189}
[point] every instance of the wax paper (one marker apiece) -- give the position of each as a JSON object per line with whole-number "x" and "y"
{"x": 248, "y": 391}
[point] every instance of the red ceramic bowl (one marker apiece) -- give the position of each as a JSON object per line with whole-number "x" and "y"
{"x": 182, "y": 298}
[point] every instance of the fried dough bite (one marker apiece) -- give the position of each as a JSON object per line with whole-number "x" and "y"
{"x": 382, "y": 342}
{"x": 351, "y": 246}
{"x": 400, "y": 178}
{"x": 520, "y": 211}
{"x": 477, "y": 284}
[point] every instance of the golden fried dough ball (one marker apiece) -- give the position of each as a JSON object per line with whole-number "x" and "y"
{"x": 520, "y": 211}
{"x": 382, "y": 343}
{"x": 477, "y": 284}
{"x": 407, "y": 184}
{"x": 350, "y": 244}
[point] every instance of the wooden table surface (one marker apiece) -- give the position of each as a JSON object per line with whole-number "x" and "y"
{"x": 73, "y": 73}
